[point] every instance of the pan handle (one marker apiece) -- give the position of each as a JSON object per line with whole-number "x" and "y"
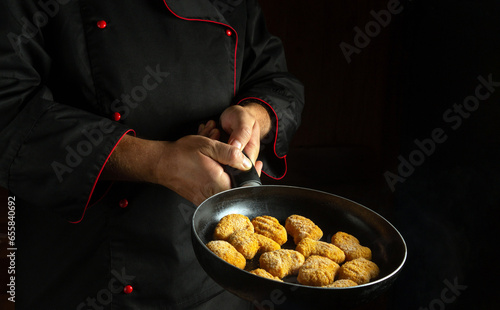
{"x": 241, "y": 178}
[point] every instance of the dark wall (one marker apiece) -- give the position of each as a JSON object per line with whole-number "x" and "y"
{"x": 446, "y": 207}
{"x": 409, "y": 128}
{"x": 347, "y": 103}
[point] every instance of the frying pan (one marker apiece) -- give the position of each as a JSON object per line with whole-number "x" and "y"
{"x": 330, "y": 212}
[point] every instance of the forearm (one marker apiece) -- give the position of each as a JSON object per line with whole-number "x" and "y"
{"x": 134, "y": 160}
{"x": 190, "y": 166}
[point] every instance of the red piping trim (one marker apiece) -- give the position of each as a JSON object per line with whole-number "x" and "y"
{"x": 234, "y": 81}
{"x": 275, "y": 136}
{"x": 213, "y": 22}
{"x": 99, "y": 175}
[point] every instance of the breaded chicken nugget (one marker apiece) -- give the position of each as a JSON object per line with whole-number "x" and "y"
{"x": 343, "y": 283}
{"x": 266, "y": 244}
{"x": 281, "y": 263}
{"x": 230, "y": 224}
{"x": 245, "y": 242}
{"x": 270, "y": 227}
{"x": 300, "y": 227}
{"x": 308, "y": 247}
{"x": 359, "y": 270}
{"x": 262, "y": 273}
{"x": 227, "y": 252}
{"x": 351, "y": 247}
{"x": 297, "y": 261}
{"x": 317, "y": 271}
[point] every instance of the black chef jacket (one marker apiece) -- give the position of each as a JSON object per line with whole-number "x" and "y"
{"x": 78, "y": 75}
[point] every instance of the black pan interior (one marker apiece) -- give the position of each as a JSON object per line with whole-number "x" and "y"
{"x": 330, "y": 212}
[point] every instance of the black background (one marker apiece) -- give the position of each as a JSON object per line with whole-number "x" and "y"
{"x": 361, "y": 118}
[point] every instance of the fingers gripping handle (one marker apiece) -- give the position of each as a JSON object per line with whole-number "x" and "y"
{"x": 241, "y": 178}
{"x": 238, "y": 177}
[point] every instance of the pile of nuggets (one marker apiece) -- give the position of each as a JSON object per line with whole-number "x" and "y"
{"x": 342, "y": 263}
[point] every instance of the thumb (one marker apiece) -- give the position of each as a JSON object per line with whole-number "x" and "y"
{"x": 226, "y": 154}
{"x": 258, "y": 166}
{"x": 240, "y": 136}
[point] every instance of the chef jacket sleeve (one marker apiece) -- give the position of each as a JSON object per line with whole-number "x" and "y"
{"x": 52, "y": 154}
{"x": 265, "y": 79}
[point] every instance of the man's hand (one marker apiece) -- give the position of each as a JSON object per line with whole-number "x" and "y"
{"x": 246, "y": 125}
{"x": 209, "y": 130}
{"x": 190, "y": 166}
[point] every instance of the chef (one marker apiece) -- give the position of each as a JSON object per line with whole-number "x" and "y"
{"x": 108, "y": 114}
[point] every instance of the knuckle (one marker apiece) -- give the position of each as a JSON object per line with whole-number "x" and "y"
{"x": 234, "y": 155}
{"x": 246, "y": 132}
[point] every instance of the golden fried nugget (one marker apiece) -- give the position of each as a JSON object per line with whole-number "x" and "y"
{"x": 308, "y": 247}
{"x": 245, "y": 242}
{"x": 230, "y": 224}
{"x": 263, "y": 273}
{"x": 343, "y": 283}
{"x": 300, "y": 227}
{"x": 297, "y": 261}
{"x": 227, "y": 252}
{"x": 271, "y": 228}
{"x": 281, "y": 263}
{"x": 317, "y": 271}
{"x": 359, "y": 270}
{"x": 351, "y": 247}
{"x": 266, "y": 244}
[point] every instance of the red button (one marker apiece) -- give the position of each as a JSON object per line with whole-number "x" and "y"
{"x": 123, "y": 203}
{"x": 128, "y": 289}
{"x": 229, "y": 32}
{"x": 102, "y": 24}
{"x": 117, "y": 116}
